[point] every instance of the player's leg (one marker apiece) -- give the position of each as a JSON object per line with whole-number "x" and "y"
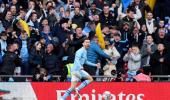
{"x": 74, "y": 82}
{"x": 88, "y": 80}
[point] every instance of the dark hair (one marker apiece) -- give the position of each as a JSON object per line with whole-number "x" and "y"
{"x": 113, "y": 27}
{"x": 22, "y": 9}
{"x": 33, "y": 13}
{"x": 48, "y": 2}
{"x": 130, "y": 9}
{"x": 3, "y": 33}
{"x": 91, "y": 35}
{"x": 135, "y": 45}
{"x": 50, "y": 8}
{"x": 149, "y": 35}
{"x": 105, "y": 5}
{"x": 86, "y": 39}
{"x": 117, "y": 34}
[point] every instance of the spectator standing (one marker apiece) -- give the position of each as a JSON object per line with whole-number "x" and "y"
{"x": 133, "y": 57}
{"x": 11, "y": 60}
{"x": 147, "y": 50}
{"x": 51, "y": 61}
{"x": 160, "y": 61}
{"x": 35, "y": 58}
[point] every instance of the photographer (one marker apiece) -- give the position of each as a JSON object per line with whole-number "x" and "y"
{"x": 41, "y": 76}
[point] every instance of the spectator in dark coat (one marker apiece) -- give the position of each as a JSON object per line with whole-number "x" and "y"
{"x": 161, "y": 8}
{"x": 99, "y": 3}
{"x": 160, "y": 61}
{"x": 35, "y": 58}
{"x": 34, "y": 22}
{"x": 77, "y": 39}
{"x": 51, "y": 61}
{"x": 46, "y": 34}
{"x": 142, "y": 5}
{"x": 136, "y": 37}
{"x": 61, "y": 30}
{"x": 10, "y": 60}
{"x": 7, "y": 21}
{"x": 79, "y": 19}
{"x": 125, "y": 32}
{"x": 122, "y": 48}
{"x": 106, "y": 18}
{"x": 93, "y": 11}
{"x": 162, "y": 37}
{"x": 129, "y": 18}
{"x": 51, "y": 16}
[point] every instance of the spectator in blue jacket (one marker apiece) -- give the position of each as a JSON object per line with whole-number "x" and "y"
{"x": 94, "y": 54}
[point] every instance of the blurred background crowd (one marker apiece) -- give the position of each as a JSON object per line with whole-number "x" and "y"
{"x": 129, "y": 38}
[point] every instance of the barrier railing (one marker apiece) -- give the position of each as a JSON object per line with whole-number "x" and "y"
{"x": 156, "y": 78}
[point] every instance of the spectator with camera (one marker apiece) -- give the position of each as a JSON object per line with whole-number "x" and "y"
{"x": 11, "y": 60}
{"x": 42, "y": 75}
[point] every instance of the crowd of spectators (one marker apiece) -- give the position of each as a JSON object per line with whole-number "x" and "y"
{"x": 136, "y": 38}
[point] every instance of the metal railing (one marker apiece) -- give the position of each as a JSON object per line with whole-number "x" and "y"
{"x": 155, "y": 78}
